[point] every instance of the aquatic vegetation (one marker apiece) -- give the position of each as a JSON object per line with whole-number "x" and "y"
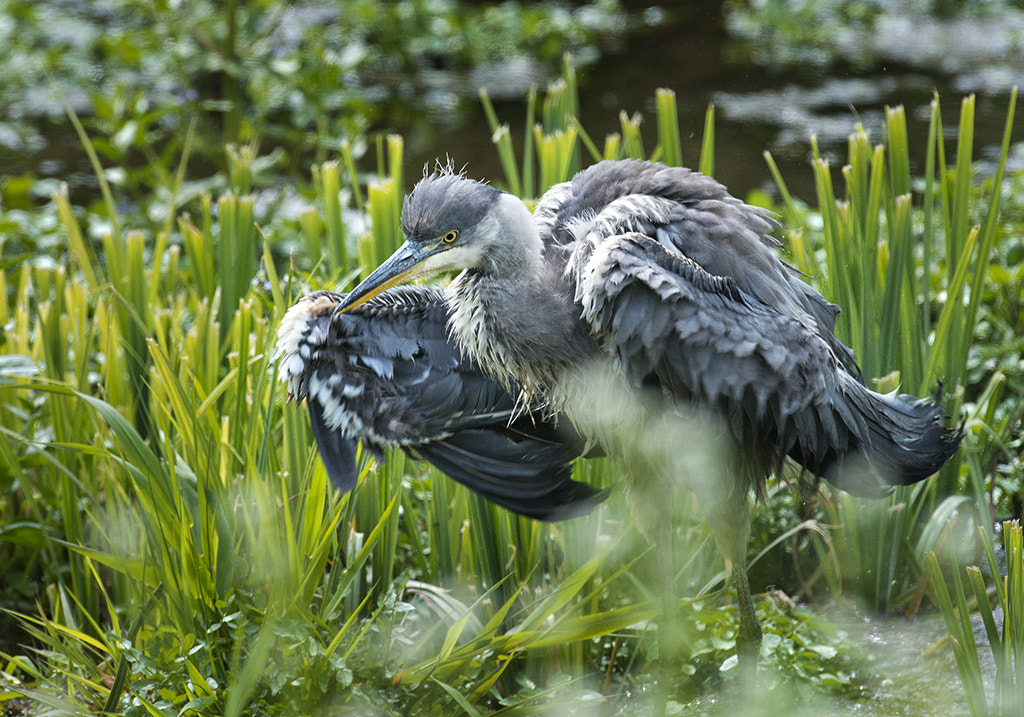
{"x": 300, "y": 77}
{"x": 167, "y": 537}
{"x": 976, "y": 40}
{"x": 1003, "y": 603}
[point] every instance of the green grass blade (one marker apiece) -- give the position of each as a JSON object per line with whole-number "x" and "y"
{"x": 707, "y": 145}
{"x": 462, "y": 702}
{"x": 989, "y": 231}
{"x": 961, "y": 634}
{"x": 668, "y": 127}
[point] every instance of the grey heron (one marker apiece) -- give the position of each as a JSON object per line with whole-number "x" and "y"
{"x": 658, "y": 277}
{"x": 388, "y": 374}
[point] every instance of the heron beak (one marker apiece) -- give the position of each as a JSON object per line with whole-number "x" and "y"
{"x": 401, "y": 266}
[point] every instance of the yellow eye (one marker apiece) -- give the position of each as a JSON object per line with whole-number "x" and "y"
{"x": 449, "y": 237}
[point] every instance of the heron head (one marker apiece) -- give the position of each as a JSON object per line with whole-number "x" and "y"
{"x": 449, "y": 223}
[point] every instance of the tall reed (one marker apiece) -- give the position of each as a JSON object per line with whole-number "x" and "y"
{"x": 888, "y": 253}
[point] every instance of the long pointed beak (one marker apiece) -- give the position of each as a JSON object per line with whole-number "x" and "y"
{"x": 401, "y": 266}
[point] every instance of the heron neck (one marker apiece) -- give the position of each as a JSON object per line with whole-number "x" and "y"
{"x": 512, "y": 327}
{"x": 513, "y": 311}
{"x": 516, "y": 252}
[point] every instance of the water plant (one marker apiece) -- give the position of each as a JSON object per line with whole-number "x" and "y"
{"x": 191, "y": 553}
{"x": 296, "y": 77}
{"x": 1003, "y": 601}
{"x": 885, "y": 260}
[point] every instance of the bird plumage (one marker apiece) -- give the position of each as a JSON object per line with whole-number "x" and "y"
{"x": 660, "y": 269}
{"x": 657, "y": 277}
{"x": 388, "y": 374}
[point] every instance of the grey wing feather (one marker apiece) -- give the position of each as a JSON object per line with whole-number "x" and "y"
{"x": 775, "y": 379}
{"x": 337, "y": 450}
{"x": 689, "y": 214}
{"x": 387, "y": 374}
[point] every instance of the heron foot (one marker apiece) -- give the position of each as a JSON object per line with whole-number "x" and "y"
{"x": 748, "y": 636}
{"x": 748, "y": 644}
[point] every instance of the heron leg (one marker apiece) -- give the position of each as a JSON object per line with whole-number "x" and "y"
{"x": 727, "y": 513}
{"x": 653, "y": 506}
{"x": 670, "y": 637}
{"x": 748, "y": 639}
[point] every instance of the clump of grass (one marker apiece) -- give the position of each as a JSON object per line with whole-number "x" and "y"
{"x": 1005, "y": 601}
{"x": 206, "y": 565}
{"x": 886, "y": 253}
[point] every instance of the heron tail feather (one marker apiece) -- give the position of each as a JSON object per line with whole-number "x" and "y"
{"x": 897, "y": 440}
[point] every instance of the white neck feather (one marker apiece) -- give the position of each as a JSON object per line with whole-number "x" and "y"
{"x": 517, "y": 250}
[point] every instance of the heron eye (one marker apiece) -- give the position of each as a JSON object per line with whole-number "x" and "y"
{"x": 449, "y": 237}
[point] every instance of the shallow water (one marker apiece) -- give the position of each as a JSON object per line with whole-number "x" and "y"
{"x": 686, "y": 47}
{"x": 918, "y": 678}
{"x": 921, "y": 678}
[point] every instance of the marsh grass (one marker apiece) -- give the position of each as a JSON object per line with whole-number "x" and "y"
{"x": 888, "y": 253}
{"x": 1002, "y": 602}
{"x": 194, "y": 557}
{"x": 197, "y": 559}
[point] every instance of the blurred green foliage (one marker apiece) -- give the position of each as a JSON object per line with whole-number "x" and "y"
{"x": 300, "y": 77}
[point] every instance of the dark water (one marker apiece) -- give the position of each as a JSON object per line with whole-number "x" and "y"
{"x": 691, "y": 48}
{"x": 901, "y": 61}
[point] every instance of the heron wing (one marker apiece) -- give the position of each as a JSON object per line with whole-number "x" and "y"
{"x": 386, "y": 373}
{"x": 774, "y": 378}
{"x": 527, "y": 476}
{"x": 337, "y": 450}
{"x": 692, "y": 215}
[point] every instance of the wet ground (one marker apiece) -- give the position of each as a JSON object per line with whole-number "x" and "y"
{"x": 917, "y": 678}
